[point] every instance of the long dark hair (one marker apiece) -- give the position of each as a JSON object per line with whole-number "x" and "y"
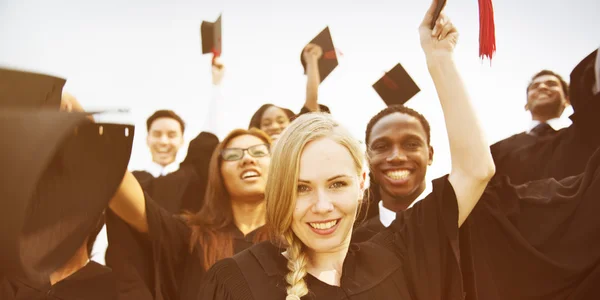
{"x": 257, "y": 117}
{"x": 209, "y": 225}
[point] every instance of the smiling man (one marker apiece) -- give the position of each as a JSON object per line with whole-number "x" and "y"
{"x": 399, "y": 153}
{"x": 547, "y": 98}
{"x": 165, "y": 137}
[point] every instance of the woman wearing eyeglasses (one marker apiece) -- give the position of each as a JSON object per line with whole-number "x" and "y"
{"x": 231, "y": 220}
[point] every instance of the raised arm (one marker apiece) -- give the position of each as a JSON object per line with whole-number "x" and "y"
{"x": 215, "y": 116}
{"x": 312, "y": 54}
{"x": 472, "y": 164}
{"x": 129, "y": 203}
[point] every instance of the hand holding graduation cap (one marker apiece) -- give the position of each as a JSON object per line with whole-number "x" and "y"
{"x": 441, "y": 40}
{"x": 312, "y": 53}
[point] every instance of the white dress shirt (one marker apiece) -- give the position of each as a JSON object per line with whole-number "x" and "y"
{"x": 387, "y": 216}
{"x": 157, "y": 170}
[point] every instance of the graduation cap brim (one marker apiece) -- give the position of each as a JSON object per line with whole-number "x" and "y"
{"x": 396, "y": 86}
{"x": 60, "y": 171}
{"x": 328, "y": 61}
{"x": 210, "y": 34}
{"x": 22, "y": 89}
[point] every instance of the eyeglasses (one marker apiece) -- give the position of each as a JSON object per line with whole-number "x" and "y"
{"x": 233, "y": 154}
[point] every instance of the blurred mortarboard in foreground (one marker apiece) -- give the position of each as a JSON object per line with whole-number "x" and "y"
{"x": 21, "y": 89}
{"x": 328, "y": 61}
{"x": 210, "y": 34}
{"x": 396, "y": 86}
{"x": 60, "y": 171}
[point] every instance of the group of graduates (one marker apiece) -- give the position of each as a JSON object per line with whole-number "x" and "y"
{"x": 293, "y": 207}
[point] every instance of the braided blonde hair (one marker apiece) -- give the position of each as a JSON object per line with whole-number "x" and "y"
{"x": 282, "y": 187}
{"x": 297, "y": 265}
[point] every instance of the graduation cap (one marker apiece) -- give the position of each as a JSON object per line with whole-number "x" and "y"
{"x": 59, "y": 172}
{"x": 211, "y": 37}
{"x": 328, "y": 61}
{"x": 16, "y": 90}
{"x": 396, "y": 86}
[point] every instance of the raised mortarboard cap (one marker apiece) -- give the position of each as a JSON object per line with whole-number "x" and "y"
{"x": 21, "y": 89}
{"x": 210, "y": 34}
{"x": 328, "y": 61}
{"x": 396, "y": 86}
{"x": 60, "y": 171}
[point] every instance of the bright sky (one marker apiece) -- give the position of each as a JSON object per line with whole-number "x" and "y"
{"x": 145, "y": 55}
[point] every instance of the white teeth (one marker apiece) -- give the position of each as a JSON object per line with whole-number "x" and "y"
{"x": 398, "y": 175}
{"x": 325, "y": 225}
{"x": 249, "y": 174}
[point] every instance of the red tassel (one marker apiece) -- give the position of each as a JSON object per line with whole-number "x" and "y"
{"x": 332, "y": 54}
{"x": 215, "y": 55}
{"x": 487, "y": 30}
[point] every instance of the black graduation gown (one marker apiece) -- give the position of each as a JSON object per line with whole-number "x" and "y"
{"x": 566, "y": 152}
{"x": 171, "y": 271}
{"x": 129, "y": 253}
{"x": 92, "y": 282}
{"x": 539, "y": 240}
{"x": 415, "y": 258}
{"x": 365, "y": 231}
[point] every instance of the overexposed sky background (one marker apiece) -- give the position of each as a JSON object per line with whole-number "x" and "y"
{"x": 146, "y": 55}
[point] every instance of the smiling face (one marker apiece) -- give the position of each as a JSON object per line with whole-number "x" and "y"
{"x": 545, "y": 96}
{"x": 399, "y": 155}
{"x": 274, "y": 120}
{"x": 245, "y": 177}
{"x": 328, "y": 197}
{"x": 164, "y": 139}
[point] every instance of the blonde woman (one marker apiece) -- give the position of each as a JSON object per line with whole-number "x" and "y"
{"x": 314, "y": 194}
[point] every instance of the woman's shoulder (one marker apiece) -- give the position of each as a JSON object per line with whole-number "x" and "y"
{"x": 246, "y": 275}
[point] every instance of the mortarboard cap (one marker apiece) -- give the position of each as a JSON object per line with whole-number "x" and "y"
{"x": 20, "y": 89}
{"x": 396, "y": 86}
{"x": 328, "y": 61}
{"x": 211, "y": 37}
{"x": 61, "y": 170}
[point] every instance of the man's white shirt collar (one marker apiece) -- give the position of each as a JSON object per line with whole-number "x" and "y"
{"x": 157, "y": 170}
{"x": 556, "y": 124}
{"x": 387, "y": 216}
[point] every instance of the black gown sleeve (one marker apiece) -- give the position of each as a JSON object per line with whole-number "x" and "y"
{"x": 169, "y": 237}
{"x": 149, "y": 264}
{"x": 425, "y": 238}
{"x": 539, "y": 240}
{"x": 225, "y": 281}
